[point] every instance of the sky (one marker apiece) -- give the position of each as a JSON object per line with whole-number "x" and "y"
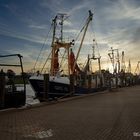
{"x": 24, "y": 26}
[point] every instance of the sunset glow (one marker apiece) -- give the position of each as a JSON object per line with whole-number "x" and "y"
{"x": 25, "y": 24}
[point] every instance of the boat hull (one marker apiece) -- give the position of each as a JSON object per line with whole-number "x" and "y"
{"x": 55, "y": 89}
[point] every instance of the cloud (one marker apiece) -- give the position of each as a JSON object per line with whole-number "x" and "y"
{"x": 122, "y": 10}
{"x": 22, "y": 36}
{"x": 116, "y": 24}
{"x": 53, "y": 5}
{"x": 136, "y": 36}
{"x": 38, "y": 26}
{"x": 11, "y": 7}
{"x": 29, "y": 53}
{"x": 79, "y": 6}
{"x": 68, "y": 23}
{"x": 71, "y": 31}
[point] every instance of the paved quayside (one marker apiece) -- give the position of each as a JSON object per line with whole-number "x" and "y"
{"x": 109, "y": 116}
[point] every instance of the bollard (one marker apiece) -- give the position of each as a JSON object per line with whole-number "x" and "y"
{"x": 72, "y": 84}
{"x": 46, "y": 86}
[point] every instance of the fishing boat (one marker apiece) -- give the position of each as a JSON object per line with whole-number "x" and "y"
{"x": 59, "y": 84}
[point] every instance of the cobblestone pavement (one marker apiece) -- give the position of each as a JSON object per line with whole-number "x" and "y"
{"x": 109, "y": 116}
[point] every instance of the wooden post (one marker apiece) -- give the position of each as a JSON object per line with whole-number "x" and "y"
{"x": 116, "y": 77}
{"x": 109, "y": 79}
{"x": 68, "y": 61}
{"x": 72, "y": 84}
{"x": 23, "y": 77}
{"x": 89, "y": 83}
{"x": 46, "y": 86}
{"x": 96, "y": 80}
{"x": 100, "y": 73}
{"x": 2, "y": 89}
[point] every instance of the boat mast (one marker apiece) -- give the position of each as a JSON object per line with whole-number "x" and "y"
{"x": 118, "y": 60}
{"x": 54, "y": 29}
{"x": 111, "y": 56}
{"x": 96, "y": 58}
{"x": 52, "y": 45}
{"x": 129, "y": 66}
{"x": 116, "y": 66}
{"x": 86, "y": 26}
{"x": 137, "y": 70}
{"x": 123, "y": 67}
{"x": 58, "y": 43}
{"x": 62, "y": 17}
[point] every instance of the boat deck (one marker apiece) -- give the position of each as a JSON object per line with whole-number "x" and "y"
{"x": 108, "y": 116}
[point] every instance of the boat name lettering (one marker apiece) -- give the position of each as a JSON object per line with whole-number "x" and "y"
{"x": 58, "y": 87}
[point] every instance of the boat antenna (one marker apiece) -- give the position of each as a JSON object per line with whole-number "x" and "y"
{"x": 62, "y": 17}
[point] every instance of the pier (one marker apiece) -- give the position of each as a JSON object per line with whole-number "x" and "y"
{"x": 104, "y": 116}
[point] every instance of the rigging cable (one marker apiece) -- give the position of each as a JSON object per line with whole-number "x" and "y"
{"x": 46, "y": 61}
{"x": 80, "y": 32}
{"x": 63, "y": 56}
{"x": 42, "y": 48}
